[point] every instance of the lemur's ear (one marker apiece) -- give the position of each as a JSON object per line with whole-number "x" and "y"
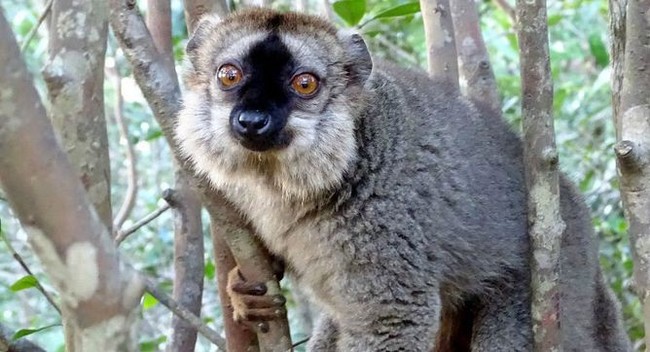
{"x": 359, "y": 61}
{"x": 201, "y": 32}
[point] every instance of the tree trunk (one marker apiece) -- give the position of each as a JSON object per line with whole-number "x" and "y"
{"x": 439, "y": 32}
{"x": 74, "y": 74}
{"x": 542, "y": 180}
{"x": 475, "y": 71}
{"x": 99, "y": 294}
{"x": 632, "y": 120}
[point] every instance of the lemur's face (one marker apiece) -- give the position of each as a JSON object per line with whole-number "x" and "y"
{"x": 267, "y": 94}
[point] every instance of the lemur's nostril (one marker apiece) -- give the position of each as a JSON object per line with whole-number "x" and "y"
{"x": 253, "y": 122}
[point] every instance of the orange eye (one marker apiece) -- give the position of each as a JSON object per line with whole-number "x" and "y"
{"x": 305, "y": 84}
{"x": 229, "y": 75}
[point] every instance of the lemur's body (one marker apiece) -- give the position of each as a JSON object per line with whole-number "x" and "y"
{"x": 394, "y": 201}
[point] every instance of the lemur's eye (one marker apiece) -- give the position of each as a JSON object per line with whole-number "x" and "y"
{"x": 305, "y": 84}
{"x": 229, "y": 76}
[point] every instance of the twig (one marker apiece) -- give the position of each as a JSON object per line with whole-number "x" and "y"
{"x": 301, "y": 342}
{"x": 507, "y": 8}
{"x": 132, "y": 185}
{"x": 22, "y": 263}
{"x": 186, "y": 315}
{"x": 122, "y": 235}
{"x": 32, "y": 32}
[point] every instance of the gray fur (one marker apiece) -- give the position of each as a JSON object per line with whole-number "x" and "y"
{"x": 397, "y": 198}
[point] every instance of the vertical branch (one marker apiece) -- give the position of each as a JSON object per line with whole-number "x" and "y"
{"x": 542, "y": 180}
{"x": 254, "y": 264}
{"x": 439, "y": 32}
{"x": 632, "y": 119}
{"x": 99, "y": 294}
{"x": 475, "y": 70}
{"x": 132, "y": 172}
{"x": 617, "y": 16}
{"x": 195, "y": 9}
{"x": 74, "y": 74}
{"x": 188, "y": 235}
{"x": 239, "y": 338}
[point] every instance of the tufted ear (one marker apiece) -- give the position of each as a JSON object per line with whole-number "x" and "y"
{"x": 201, "y": 32}
{"x": 359, "y": 62}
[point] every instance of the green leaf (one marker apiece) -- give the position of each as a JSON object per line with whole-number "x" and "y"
{"x": 148, "y": 301}
{"x": 350, "y": 11}
{"x": 24, "y": 283}
{"x": 208, "y": 271}
{"x": 409, "y": 8}
{"x": 598, "y": 50}
{"x": 152, "y": 345}
{"x": 554, "y": 19}
{"x": 24, "y": 332}
{"x": 153, "y": 134}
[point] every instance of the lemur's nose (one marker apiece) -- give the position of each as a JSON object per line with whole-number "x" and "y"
{"x": 252, "y": 123}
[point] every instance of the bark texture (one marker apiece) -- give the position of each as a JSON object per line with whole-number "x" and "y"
{"x": 617, "y": 16}
{"x": 99, "y": 293}
{"x": 74, "y": 74}
{"x": 238, "y": 336}
{"x": 632, "y": 121}
{"x": 195, "y": 9}
{"x": 475, "y": 71}
{"x": 160, "y": 87}
{"x": 545, "y": 224}
{"x": 439, "y": 33}
{"x": 188, "y": 235}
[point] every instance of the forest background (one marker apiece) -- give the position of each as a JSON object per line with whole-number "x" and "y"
{"x": 583, "y": 123}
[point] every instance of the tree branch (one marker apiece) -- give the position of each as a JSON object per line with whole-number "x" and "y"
{"x": 542, "y": 179}
{"x": 32, "y": 32}
{"x": 123, "y": 234}
{"x": 97, "y": 290}
{"x": 632, "y": 122}
{"x": 186, "y": 315}
{"x": 507, "y": 8}
{"x": 74, "y": 74}
{"x": 474, "y": 62}
{"x": 439, "y": 33}
{"x": 132, "y": 177}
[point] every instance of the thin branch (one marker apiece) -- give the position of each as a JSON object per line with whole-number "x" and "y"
{"x": 507, "y": 8}
{"x": 132, "y": 177}
{"x": 32, "y": 32}
{"x": 186, "y": 315}
{"x": 541, "y": 172}
{"x": 475, "y": 70}
{"x": 122, "y": 235}
{"x": 23, "y": 264}
{"x": 439, "y": 35}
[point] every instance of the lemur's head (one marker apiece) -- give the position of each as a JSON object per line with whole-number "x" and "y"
{"x": 272, "y": 94}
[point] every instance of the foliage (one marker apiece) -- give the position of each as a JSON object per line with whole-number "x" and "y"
{"x": 585, "y": 135}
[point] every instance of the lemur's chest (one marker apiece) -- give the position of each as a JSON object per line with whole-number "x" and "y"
{"x": 282, "y": 225}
